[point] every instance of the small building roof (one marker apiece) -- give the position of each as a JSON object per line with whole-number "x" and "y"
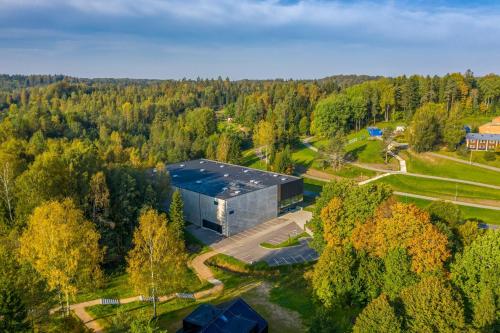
{"x": 374, "y": 131}
{"x": 229, "y": 317}
{"x": 479, "y": 136}
{"x": 222, "y": 180}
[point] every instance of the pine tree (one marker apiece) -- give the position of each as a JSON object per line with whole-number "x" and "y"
{"x": 177, "y": 215}
{"x": 13, "y": 313}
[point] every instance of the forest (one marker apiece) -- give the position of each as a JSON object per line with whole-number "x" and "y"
{"x": 77, "y": 158}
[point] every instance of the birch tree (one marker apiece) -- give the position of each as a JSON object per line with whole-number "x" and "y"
{"x": 7, "y": 184}
{"x": 264, "y": 137}
{"x": 156, "y": 263}
{"x": 63, "y": 248}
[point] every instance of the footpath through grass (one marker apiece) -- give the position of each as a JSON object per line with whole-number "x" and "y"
{"x": 435, "y": 166}
{"x": 443, "y": 189}
{"x": 264, "y": 288}
{"x": 484, "y": 215}
{"x": 477, "y": 157}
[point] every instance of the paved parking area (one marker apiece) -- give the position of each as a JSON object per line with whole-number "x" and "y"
{"x": 287, "y": 231}
{"x": 245, "y": 246}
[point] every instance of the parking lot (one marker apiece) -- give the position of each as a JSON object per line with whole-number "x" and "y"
{"x": 246, "y": 247}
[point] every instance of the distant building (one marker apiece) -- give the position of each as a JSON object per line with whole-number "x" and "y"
{"x": 374, "y": 131}
{"x": 400, "y": 129}
{"x": 231, "y": 317}
{"x": 478, "y": 141}
{"x": 492, "y": 127}
{"x": 228, "y": 198}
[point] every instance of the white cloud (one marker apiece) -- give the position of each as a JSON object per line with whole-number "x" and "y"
{"x": 371, "y": 19}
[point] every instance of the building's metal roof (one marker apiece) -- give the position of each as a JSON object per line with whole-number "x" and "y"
{"x": 222, "y": 180}
{"x": 233, "y": 316}
{"x": 479, "y": 136}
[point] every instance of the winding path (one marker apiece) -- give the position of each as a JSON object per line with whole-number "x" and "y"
{"x": 197, "y": 264}
{"x": 386, "y": 173}
{"x": 403, "y": 171}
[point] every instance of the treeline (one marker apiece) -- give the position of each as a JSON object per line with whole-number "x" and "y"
{"x": 392, "y": 267}
{"x": 104, "y": 143}
{"x": 399, "y": 98}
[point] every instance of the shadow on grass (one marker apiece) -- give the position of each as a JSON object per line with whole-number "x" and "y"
{"x": 250, "y": 160}
{"x": 353, "y": 155}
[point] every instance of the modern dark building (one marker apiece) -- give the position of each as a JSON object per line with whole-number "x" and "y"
{"x": 232, "y": 317}
{"x": 229, "y": 198}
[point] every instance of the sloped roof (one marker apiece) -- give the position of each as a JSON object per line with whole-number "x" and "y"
{"x": 235, "y": 316}
{"x": 479, "y": 136}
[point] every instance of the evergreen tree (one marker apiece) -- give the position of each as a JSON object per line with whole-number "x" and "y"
{"x": 13, "y": 313}
{"x": 177, "y": 215}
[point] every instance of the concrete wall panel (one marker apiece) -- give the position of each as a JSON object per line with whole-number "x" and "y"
{"x": 251, "y": 209}
{"x": 191, "y": 206}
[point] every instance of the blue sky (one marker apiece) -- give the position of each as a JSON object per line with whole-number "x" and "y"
{"x": 248, "y": 38}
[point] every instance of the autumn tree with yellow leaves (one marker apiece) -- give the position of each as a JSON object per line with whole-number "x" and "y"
{"x": 157, "y": 261}
{"x": 63, "y": 248}
{"x": 406, "y": 227}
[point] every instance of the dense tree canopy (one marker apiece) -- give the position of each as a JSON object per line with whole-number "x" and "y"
{"x": 104, "y": 144}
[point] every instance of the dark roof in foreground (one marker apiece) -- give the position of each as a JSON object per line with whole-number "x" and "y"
{"x": 479, "y": 136}
{"x": 222, "y": 180}
{"x": 235, "y": 316}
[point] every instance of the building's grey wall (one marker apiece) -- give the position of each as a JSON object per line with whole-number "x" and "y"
{"x": 199, "y": 206}
{"x": 191, "y": 206}
{"x": 251, "y": 209}
{"x": 211, "y": 212}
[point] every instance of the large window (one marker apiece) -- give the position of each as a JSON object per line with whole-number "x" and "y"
{"x": 213, "y": 226}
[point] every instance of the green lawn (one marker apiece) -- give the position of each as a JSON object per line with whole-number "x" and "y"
{"x": 307, "y": 158}
{"x": 353, "y": 172}
{"x": 366, "y": 151}
{"x": 484, "y": 215}
{"x": 258, "y": 290}
{"x": 476, "y": 121}
{"x": 477, "y": 156}
{"x": 434, "y": 166}
{"x": 304, "y": 156}
{"x": 250, "y": 159}
{"x": 442, "y": 189}
{"x": 115, "y": 286}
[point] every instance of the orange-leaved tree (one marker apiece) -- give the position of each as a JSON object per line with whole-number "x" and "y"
{"x": 407, "y": 227}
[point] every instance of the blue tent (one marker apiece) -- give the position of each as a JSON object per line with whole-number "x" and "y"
{"x": 374, "y": 131}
